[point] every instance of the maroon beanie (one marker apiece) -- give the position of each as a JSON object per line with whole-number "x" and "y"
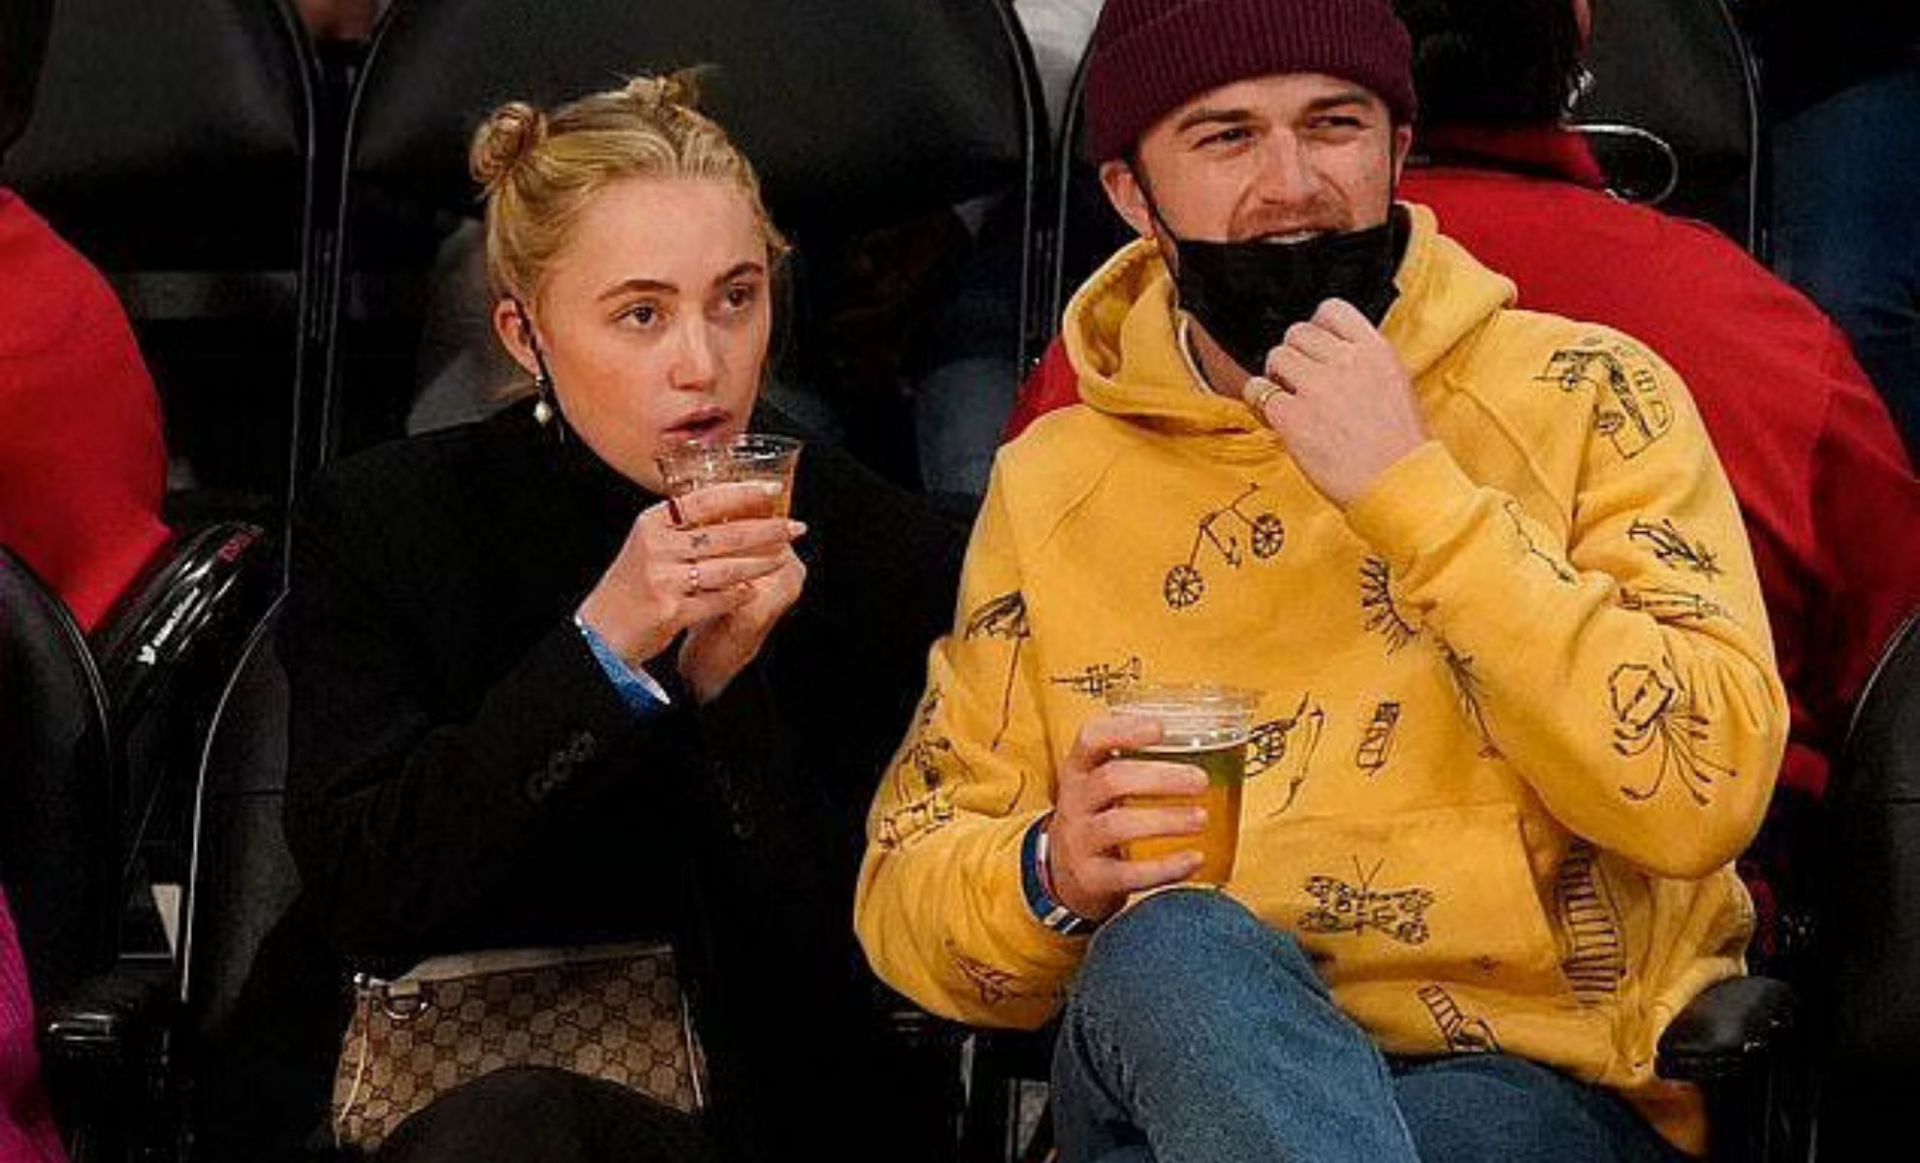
{"x": 1149, "y": 57}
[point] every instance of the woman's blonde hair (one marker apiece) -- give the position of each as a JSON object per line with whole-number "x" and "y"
{"x": 539, "y": 170}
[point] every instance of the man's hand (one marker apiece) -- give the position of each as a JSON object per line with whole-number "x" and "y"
{"x": 1091, "y": 820}
{"x": 1336, "y": 393}
{"x": 732, "y": 554}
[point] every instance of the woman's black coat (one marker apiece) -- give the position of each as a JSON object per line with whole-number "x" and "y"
{"x": 464, "y": 776}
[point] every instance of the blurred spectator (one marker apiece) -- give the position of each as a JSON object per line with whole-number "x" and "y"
{"x": 1829, "y": 497}
{"x": 27, "y": 1132}
{"x": 1827, "y": 492}
{"x": 463, "y": 373}
{"x": 971, "y": 379}
{"x": 1843, "y": 87}
{"x": 82, "y": 458}
{"x": 971, "y": 376}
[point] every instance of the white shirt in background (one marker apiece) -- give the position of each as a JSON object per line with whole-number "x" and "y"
{"x": 1058, "y": 30}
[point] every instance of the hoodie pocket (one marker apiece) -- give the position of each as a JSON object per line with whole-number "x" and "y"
{"x": 1440, "y": 894}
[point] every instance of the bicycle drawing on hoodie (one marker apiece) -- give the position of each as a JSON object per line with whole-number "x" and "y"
{"x": 1233, "y": 534}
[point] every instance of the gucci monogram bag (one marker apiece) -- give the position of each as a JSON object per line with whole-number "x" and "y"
{"x": 612, "y": 1012}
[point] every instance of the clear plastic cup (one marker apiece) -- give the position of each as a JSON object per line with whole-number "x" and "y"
{"x": 753, "y": 456}
{"x": 1204, "y": 725}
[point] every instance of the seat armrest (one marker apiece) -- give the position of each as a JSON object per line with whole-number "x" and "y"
{"x": 1005, "y": 1054}
{"x": 1732, "y": 1028}
{"x": 106, "y": 1019}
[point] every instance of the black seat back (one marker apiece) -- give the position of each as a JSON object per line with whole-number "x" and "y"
{"x": 215, "y": 577}
{"x": 243, "y": 876}
{"x": 1870, "y": 925}
{"x": 166, "y": 658}
{"x": 57, "y": 858}
{"x": 1087, "y": 231}
{"x": 856, "y": 113}
{"x": 1678, "y": 72}
{"x": 170, "y": 143}
{"x": 23, "y": 43}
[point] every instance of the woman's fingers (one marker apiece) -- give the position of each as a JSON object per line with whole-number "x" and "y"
{"x": 753, "y": 537}
{"x": 714, "y": 573}
{"x": 732, "y": 501}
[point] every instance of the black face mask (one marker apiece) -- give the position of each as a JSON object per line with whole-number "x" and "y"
{"x": 1246, "y": 294}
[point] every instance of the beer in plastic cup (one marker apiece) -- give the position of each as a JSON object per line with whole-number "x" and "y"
{"x": 1205, "y": 726}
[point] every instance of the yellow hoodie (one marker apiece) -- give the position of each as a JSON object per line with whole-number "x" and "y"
{"x": 1519, "y": 702}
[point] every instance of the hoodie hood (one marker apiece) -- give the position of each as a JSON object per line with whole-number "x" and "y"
{"x": 1122, "y": 331}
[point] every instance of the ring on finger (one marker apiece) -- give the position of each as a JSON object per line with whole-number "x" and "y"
{"x": 693, "y": 579}
{"x": 1259, "y": 391}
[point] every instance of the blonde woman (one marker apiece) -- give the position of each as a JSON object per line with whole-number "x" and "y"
{"x": 533, "y": 709}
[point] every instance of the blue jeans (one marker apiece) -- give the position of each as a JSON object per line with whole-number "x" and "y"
{"x": 1846, "y": 181}
{"x": 1197, "y": 1034}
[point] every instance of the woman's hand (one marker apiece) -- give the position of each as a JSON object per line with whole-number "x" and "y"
{"x": 731, "y": 556}
{"x": 718, "y": 649}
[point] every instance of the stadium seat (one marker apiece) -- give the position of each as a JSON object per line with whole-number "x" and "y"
{"x": 242, "y": 875}
{"x": 23, "y": 45}
{"x": 57, "y": 859}
{"x": 95, "y": 811}
{"x": 56, "y": 752}
{"x": 172, "y": 145}
{"x": 1869, "y": 1010}
{"x": 1677, "y": 77}
{"x": 165, "y": 657}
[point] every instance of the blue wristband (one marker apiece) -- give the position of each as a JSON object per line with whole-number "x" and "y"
{"x": 1049, "y": 912}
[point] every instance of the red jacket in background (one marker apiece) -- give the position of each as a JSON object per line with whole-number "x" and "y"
{"x": 1829, "y": 497}
{"x": 83, "y": 463}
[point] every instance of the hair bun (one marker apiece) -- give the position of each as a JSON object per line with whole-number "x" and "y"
{"x": 509, "y": 134}
{"x": 679, "y": 89}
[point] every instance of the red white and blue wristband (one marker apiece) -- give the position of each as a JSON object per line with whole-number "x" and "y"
{"x": 1035, "y": 880}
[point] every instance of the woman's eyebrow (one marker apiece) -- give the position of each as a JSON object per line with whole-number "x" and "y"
{"x": 629, "y": 286}
{"x": 744, "y": 268}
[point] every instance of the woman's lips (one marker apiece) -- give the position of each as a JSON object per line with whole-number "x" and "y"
{"x": 699, "y": 425}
